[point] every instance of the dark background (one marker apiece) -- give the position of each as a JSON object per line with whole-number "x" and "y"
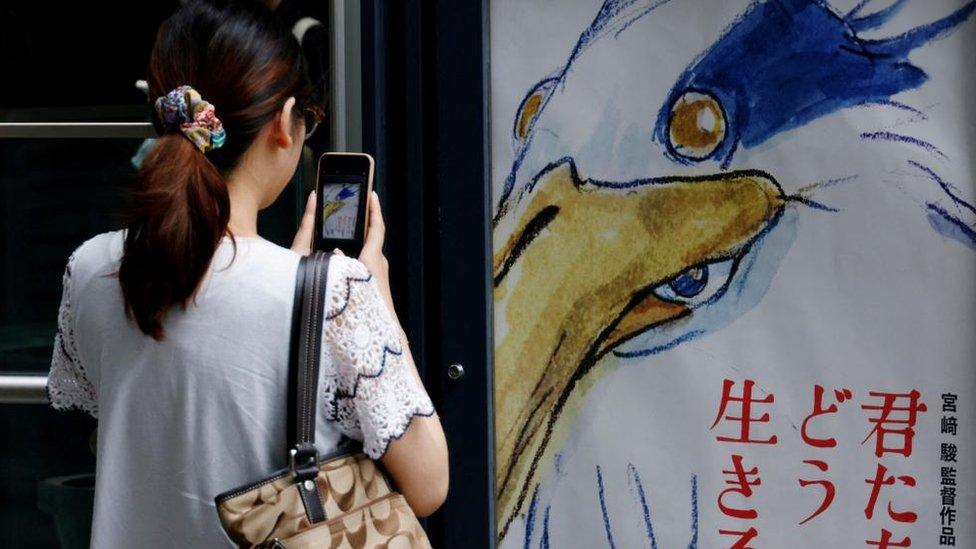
{"x": 59, "y": 61}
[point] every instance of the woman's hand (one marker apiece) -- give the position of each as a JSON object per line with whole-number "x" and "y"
{"x": 372, "y": 252}
{"x": 417, "y": 460}
{"x": 303, "y": 238}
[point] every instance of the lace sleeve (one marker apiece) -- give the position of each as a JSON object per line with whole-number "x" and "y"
{"x": 68, "y": 388}
{"x": 367, "y": 387}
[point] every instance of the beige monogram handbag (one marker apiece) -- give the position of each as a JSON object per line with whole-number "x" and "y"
{"x": 340, "y": 500}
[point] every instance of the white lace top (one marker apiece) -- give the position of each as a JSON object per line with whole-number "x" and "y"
{"x": 184, "y": 419}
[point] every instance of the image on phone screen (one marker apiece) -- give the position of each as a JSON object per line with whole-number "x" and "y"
{"x": 340, "y": 208}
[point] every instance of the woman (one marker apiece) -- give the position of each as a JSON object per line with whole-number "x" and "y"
{"x": 174, "y": 333}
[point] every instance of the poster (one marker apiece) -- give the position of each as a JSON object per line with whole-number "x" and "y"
{"x": 734, "y": 266}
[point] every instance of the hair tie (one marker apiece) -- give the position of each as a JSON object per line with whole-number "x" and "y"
{"x": 185, "y": 110}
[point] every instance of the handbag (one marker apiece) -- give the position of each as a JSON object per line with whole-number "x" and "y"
{"x": 343, "y": 499}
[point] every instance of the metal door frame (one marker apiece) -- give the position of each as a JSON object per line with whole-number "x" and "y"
{"x": 425, "y": 84}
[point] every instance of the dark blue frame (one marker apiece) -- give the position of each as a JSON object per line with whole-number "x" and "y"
{"x": 425, "y": 82}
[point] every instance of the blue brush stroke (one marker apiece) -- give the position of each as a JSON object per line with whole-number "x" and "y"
{"x": 693, "y": 544}
{"x": 663, "y": 347}
{"x": 874, "y": 20}
{"x": 785, "y": 63}
{"x": 346, "y": 192}
{"x": 900, "y": 46}
{"x": 857, "y": 9}
{"x": 634, "y": 477}
{"x": 603, "y": 507}
{"x": 898, "y": 105}
{"x": 637, "y": 16}
{"x": 544, "y": 542}
{"x": 951, "y": 226}
{"x": 530, "y": 518}
{"x": 907, "y": 139}
{"x": 947, "y": 187}
{"x": 813, "y": 204}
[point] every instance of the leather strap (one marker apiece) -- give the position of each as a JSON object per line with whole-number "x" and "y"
{"x": 305, "y": 352}
{"x": 296, "y": 332}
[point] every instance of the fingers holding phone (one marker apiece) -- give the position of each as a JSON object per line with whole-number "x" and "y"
{"x": 372, "y": 252}
{"x": 302, "y": 243}
{"x": 348, "y": 219}
{"x": 375, "y": 231}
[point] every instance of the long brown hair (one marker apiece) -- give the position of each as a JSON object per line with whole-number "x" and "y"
{"x": 244, "y": 62}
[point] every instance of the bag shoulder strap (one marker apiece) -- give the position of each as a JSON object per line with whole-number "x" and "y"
{"x": 308, "y": 315}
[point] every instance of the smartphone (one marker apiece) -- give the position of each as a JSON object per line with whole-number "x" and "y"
{"x": 343, "y": 185}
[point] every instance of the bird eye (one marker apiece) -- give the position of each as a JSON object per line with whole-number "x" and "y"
{"x": 698, "y": 285}
{"x": 697, "y": 125}
{"x": 530, "y": 108}
{"x": 691, "y": 282}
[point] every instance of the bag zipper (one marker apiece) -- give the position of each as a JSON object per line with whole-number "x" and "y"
{"x": 276, "y": 476}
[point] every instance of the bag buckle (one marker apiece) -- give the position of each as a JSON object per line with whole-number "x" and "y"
{"x": 304, "y": 462}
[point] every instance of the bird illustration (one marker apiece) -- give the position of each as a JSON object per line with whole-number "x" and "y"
{"x": 657, "y": 182}
{"x": 333, "y": 205}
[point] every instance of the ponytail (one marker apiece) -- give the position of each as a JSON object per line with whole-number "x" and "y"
{"x": 246, "y": 64}
{"x": 178, "y": 214}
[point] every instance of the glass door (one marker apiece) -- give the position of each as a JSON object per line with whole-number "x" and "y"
{"x": 71, "y": 129}
{"x": 68, "y": 131}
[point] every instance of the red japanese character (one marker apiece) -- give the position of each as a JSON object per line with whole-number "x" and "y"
{"x": 744, "y": 537}
{"x": 827, "y": 486}
{"x": 745, "y": 418}
{"x": 885, "y": 541}
{"x": 876, "y": 483}
{"x": 740, "y": 485}
{"x": 819, "y": 410}
{"x": 885, "y": 424}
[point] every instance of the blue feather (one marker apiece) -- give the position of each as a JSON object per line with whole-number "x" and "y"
{"x": 785, "y": 63}
{"x": 876, "y": 19}
{"x": 901, "y": 46}
{"x": 346, "y": 192}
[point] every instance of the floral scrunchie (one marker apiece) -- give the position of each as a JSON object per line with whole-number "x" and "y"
{"x": 185, "y": 110}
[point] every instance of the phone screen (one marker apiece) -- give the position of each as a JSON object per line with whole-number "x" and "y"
{"x": 341, "y": 196}
{"x": 343, "y": 182}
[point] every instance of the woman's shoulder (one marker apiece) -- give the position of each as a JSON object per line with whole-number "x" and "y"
{"x": 103, "y": 244}
{"x": 99, "y": 254}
